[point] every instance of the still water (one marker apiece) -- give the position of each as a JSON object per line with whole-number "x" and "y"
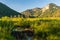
{"x": 29, "y": 38}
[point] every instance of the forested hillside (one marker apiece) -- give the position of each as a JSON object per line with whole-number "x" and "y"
{"x": 6, "y": 11}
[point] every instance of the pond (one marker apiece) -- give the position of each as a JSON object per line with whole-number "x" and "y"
{"x": 29, "y": 38}
{"x": 22, "y": 34}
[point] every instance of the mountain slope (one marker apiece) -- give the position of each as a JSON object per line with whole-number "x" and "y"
{"x": 48, "y": 11}
{"x": 6, "y": 11}
{"x": 32, "y": 12}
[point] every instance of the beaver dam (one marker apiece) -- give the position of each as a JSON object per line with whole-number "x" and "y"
{"x": 22, "y": 34}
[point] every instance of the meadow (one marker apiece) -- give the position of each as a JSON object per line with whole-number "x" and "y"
{"x": 44, "y": 28}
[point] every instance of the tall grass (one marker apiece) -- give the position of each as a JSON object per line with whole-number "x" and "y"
{"x": 44, "y": 28}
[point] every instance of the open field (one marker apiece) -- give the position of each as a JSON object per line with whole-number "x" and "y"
{"x": 44, "y": 28}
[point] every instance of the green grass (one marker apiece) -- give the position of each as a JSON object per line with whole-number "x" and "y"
{"x": 44, "y": 28}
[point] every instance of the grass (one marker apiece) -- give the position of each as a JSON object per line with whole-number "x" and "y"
{"x": 44, "y": 28}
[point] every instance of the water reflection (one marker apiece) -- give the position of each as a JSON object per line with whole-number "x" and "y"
{"x": 29, "y": 38}
{"x": 23, "y": 34}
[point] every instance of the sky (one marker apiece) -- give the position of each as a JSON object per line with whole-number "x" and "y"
{"x": 22, "y": 5}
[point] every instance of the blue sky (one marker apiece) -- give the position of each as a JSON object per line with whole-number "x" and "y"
{"x": 21, "y": 5}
